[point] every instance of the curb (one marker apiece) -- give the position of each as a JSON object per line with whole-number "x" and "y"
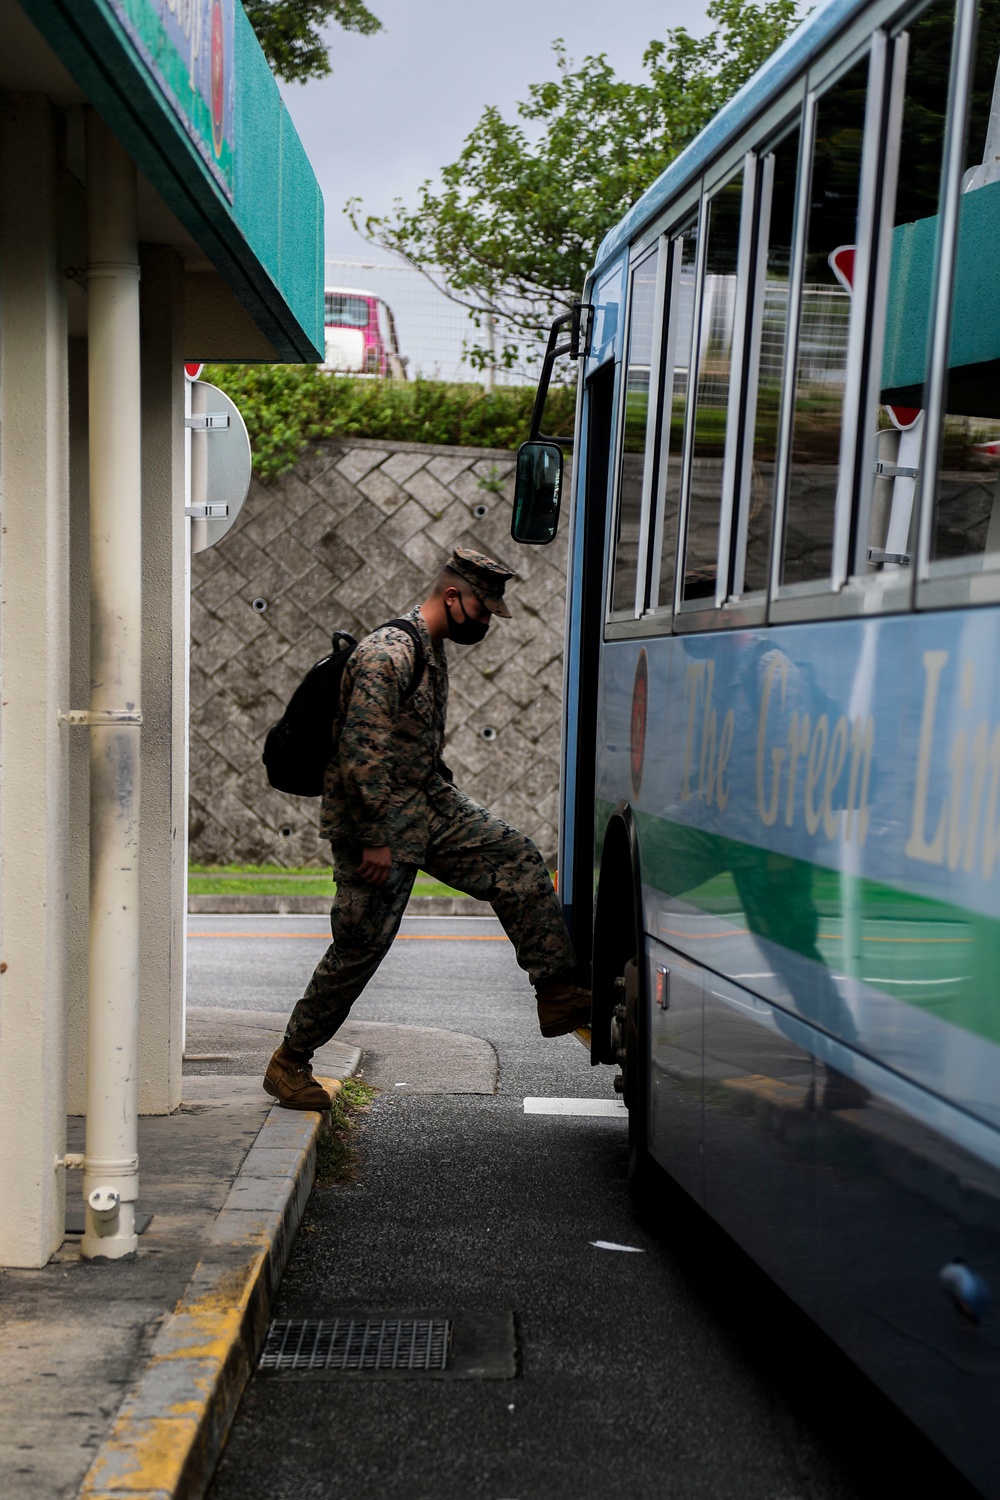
{"x": 319, "y": 906}
{"x": 172, "y": 1426}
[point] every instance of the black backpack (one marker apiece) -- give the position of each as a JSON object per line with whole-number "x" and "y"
{"x": 300, "y": 746}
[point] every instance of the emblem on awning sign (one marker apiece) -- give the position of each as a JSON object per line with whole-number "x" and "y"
{"x": 188, "y": 51}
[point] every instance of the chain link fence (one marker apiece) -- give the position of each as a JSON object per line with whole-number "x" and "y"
{"x": 824, "y": 328}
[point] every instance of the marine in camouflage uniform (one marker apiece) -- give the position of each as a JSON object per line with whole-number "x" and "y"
{"x": 386, "y": 789}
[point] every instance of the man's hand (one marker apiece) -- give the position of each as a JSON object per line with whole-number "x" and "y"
{"x": 376, "y": 864}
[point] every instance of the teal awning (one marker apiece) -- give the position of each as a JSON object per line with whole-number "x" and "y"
{"x": 249, "y": 198}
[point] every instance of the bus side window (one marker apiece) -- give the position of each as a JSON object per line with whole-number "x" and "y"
{"x": 893, "y": 454}
{"x": 634, "y": 476}
{"x": 716, "y": 330}
{"x": 777, "y": 176}
{"x": 823, "y": 330}
{"x": 679, "y": 338}
{"x": 966, "y": 522}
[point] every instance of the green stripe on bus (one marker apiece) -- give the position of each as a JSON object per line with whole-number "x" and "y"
{"x": 940, "y": 957}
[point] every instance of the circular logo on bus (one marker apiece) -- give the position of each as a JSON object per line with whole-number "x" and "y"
{"x": 640, "y": 710}
{"x": 218, "y": 58}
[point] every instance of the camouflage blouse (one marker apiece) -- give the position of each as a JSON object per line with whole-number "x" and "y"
{"x": 385, "y": 768}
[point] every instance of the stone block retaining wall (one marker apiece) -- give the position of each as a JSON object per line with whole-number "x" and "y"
{"x": 349, "y": 538}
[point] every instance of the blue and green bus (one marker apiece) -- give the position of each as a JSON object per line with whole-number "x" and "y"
{"x": 780, "y": 834}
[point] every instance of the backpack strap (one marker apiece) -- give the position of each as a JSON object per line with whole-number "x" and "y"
{"x": 419, "y": 659}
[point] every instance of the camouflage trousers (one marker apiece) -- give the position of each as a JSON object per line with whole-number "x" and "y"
{"x": 469, "y": 849}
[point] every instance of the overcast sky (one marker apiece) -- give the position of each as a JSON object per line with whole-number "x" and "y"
{"x": 400, "y": 103}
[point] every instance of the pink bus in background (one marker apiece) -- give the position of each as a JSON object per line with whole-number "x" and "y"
{"x": 361, "y": 335}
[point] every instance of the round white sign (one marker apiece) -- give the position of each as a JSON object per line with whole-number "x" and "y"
{"x": 220, "y": 464}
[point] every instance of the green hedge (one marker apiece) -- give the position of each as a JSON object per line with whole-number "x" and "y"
{"x": 287, "y": 407}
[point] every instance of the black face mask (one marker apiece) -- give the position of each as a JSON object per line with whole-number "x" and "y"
{"x": 465, "y": 632}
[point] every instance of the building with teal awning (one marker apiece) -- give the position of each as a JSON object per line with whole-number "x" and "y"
{"x": 156, "y": 208}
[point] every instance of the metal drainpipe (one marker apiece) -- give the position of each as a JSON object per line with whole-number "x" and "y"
{"x": 111, "y": 1164}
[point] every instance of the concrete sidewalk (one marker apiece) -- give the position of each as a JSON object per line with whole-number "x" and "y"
{"x": 123, "y": 1377}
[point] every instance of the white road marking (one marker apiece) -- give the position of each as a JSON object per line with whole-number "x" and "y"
{"x": 610, "y": 1245}
{"x": 606, "y": 1107}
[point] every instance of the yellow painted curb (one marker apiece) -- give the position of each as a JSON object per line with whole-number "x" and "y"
{"x": 172, "y": 1426}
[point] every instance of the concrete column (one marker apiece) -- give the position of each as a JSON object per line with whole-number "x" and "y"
{"x": 34, "y": 681}
{"x": 163, "y": 826}
{"x": 111, "y": 1168}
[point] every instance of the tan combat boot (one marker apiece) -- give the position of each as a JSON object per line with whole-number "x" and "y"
{"x": 562, "y": 1006}
{"x": 289, "y": 1079}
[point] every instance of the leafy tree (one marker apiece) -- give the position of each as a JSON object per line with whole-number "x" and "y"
{"x": 515, "y": 225}
{"x": 289, "y": 32}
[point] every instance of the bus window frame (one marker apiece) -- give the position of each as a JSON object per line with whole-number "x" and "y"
{"x": 847, "y": 592}
{"x": 657, "y": 245}
{"x": 645, "y": 621}
{"x": 826, "y": 597}
{"x": 687, "y": 443}
{"x": 651, "y": 459}
{"x": 786, "y": 114}
{"x": 870, "y": 189}
{"x": 951, "y": 582}
{"x": 657, "y": 618}
{"x": 757, "y": 286}
{"x": 881, "y": 592}
{"x": 697, "y": 610}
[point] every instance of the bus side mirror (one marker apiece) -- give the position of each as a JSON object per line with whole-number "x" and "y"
{"x": 537, "y": 491}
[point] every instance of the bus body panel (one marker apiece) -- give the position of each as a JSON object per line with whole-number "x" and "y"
{"x": 852, "y": 1195}
{"x": 818, "y": 809}
{"x": 796, "y": 717}
{"x": 841, "y": 1127}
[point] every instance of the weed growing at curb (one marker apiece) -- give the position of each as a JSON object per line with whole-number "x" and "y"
{"x": 336, "y": 1157}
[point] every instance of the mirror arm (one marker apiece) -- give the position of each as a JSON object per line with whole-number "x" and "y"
{"x": 576, "y": 345}
{"x": 552, "y": 349}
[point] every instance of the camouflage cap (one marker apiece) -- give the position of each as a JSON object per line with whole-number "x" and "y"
{"x": 485, "y": 578}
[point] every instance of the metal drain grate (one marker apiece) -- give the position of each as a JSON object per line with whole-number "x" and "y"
{"x": 347, "y": 1344}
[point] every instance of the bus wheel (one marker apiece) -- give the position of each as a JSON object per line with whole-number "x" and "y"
{"x": 627, "y": 1029}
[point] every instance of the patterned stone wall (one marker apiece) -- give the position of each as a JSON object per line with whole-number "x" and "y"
{"x": 348, "y": 539}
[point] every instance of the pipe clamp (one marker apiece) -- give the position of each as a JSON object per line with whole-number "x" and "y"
{"x": 95, "y": 718}
{"x": 112, "y": 270}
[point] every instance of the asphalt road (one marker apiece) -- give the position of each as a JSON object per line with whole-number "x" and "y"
{"x": 675, "y": 1372}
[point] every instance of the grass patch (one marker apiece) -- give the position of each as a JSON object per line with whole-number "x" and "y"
{"x": 336, "y": 1156}
{"x": 258, "y": 880}
{"x": 278, "y": 880}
